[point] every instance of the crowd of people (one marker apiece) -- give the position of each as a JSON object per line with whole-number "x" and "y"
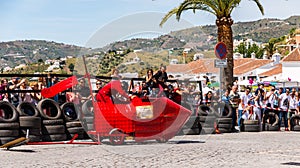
{"x": 255, "y": 104}
{"x": 251, "y": 104}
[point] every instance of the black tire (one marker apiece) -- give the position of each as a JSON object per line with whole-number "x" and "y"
{"x": 7, "y": 126}
{"x": 73, "y": 124}
{"x": 30, "y": 122}
{"x": 224, "y": 120}
{"x": 296, "y": 128}
{"x": 226, "y": 126}
{"x": 4, "y": 140}
{"x": 269, "y": 127}
{"x": 194, "y": 130}
{"x": 222, "y": 110}
{"x": 87, "y": 123}
{"x": 250, "y": 122}
{"x": 251, "y": 128}
{"x": 80, "y": 136}
{"x": 53, "y": 122}
{"x": 87, "y": 108}
{"x": 27, "y": 109}
{"x": 35, "y": 138}
{"x": 51, "y": 107}
{"x": 208, "y": 130}
{"x": 53, "y": 129}
{"x": 70, "y": 111}
{"x": 76, "y": 130}
{"x": 89, "y": 127}
{"x": 293, "y": 121}
{"x": 273, "y": 116}
{"x": 9, "y": 133}
{"x": 89, "y": 119}
{"x": 32, "y": 131}
{"x": 10, "y": 112}
{"x": 225, "y": 130}
{"x": 205, "y": 110}
{"x": 54, "y": 137}
{"x": 207, "y": 119}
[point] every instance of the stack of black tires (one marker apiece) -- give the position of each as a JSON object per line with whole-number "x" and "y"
{"x": 192, "y": 126}
{"x": 30, "y": 121}
{"x": 295, "y": 122}
{"x": 47, "y": 121}
{"x": 71, "y": 115}
{"x": 9, "y": 122}
{"x": 217, "y": 115}
{"x": 270, "y": 122}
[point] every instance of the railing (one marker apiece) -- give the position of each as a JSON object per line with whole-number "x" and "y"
{"x": 49, "y": 77}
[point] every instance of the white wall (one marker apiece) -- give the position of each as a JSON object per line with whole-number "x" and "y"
{"x": 291, "y": 70}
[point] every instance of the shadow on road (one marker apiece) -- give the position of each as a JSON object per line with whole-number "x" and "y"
{"x": 291, "y": 163}
{"x": 21, "y": 150}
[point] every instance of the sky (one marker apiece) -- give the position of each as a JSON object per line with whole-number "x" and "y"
{"x": 94, "y": 23}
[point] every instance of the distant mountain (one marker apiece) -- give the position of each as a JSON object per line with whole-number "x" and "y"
{"x": 260, "y": 31}
{"x": 199, "y": 38}
{"x": 28, "y": 51}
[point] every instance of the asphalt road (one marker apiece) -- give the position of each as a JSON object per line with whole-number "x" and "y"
{"x": 263, "y": 149}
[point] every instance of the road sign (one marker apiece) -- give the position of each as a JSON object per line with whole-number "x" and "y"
{"x": 221, "y": 50}
{"x": 220, "y": 63}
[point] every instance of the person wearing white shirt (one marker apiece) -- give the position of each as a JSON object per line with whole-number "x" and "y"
{"x": 293, "y": 106}
{"x": 284, "y": 100}
{"x": 245, "y": 100}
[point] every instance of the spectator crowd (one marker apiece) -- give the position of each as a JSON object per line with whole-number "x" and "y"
{"x": 251, "y": 104}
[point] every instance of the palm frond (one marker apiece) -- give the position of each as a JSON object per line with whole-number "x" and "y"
{"x": 167, "y": 16}
{"x": 261, "y": 8}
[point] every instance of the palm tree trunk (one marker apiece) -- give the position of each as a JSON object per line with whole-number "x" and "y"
{"x": 225, "y": 36}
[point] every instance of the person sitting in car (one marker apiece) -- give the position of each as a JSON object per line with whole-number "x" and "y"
{"x": 112, "y": 90}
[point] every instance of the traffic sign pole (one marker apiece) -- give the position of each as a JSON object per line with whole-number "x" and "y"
{"x": 221, "y": 62}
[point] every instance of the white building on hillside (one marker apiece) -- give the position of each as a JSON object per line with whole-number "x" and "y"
{"x": 290, "y": 65}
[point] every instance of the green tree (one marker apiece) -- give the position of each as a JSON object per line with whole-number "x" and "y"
{"x": 71, "y": 67}
{"x": 222, "y": 9}
{"x": 40, "y": 61}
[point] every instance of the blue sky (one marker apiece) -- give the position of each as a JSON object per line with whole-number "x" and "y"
{"x": 77, "y": 21}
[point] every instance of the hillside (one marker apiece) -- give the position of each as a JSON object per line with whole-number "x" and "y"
{"x": 29, "y": 51}
{"x": 200, "y": 38}
{"x": 260, "y": 31}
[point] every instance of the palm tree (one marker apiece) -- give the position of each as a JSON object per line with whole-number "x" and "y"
{"x": 222, "y": 9}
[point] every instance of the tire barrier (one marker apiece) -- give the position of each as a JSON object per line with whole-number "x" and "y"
{"x": 295, "y": 122}
{"x": 224, "y": 125}
{"x": 27, "y": 109}
{"x": 31, "y": 124}
{"x": 222, "y": 110}
{"x": 54, "y": 130}
{"x": 207, "y": 124}
{"x": 75, "y": 127}
{"x": 87, "y": 117}
{"x": 250, "y": 126}
{"x": 69, "y": 111}
{"x": 8, "y": 112}
{"x": 8, "y": 132}
{"x": 87, "y": 108}
{"x": 192, "y": 126}
{"x": 205, "y": 110}
{"x": 270, "y": 122}
{"x": 49, "y": 109}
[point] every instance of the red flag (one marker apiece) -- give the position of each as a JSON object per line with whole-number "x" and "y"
{"x": 59, "y": 87}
